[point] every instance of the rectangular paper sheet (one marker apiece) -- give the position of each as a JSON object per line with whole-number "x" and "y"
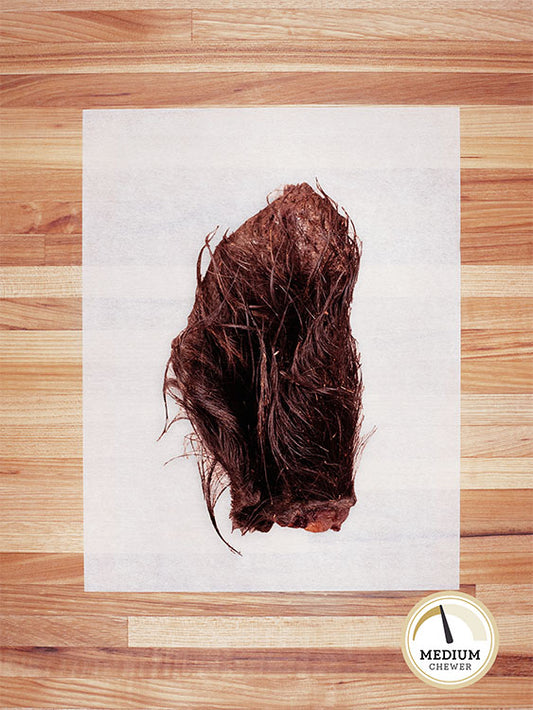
{"x": 155, "y": 183}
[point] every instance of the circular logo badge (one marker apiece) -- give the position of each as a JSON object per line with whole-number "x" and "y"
{"x": 450, "y": 640}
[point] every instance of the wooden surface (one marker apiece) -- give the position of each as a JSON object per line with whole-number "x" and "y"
{"x": 63, "y": 648}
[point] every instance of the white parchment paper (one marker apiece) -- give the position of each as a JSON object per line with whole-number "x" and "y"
{"x": 155, "y": 182}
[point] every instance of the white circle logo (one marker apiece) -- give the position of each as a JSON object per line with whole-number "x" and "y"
{"x": 450, "y": 640}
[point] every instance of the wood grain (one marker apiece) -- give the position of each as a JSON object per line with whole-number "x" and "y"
{"x": 65, "y": 648}
{"x": 241, "y": 691}
{"x": 200, "y": 88}
{"x": 286, "y": 55}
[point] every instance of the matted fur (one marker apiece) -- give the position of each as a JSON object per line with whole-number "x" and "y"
{"x": 267, "y": 370}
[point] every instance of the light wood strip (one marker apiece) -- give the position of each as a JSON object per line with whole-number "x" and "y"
{"x": 42, "y": 534}
{"x": 485, "y": 344}
{"x": 40, "y": 282}
{"x": 242, "y": 691}
{"x": 56, "y": 437}
{"x": 69, "y": 600}
{"x": 423, "y": 6}
{"x": 100, "y": 26}
{"x": 502, "y": 153}
{"x": 286, "y": 55}
{"x": 262, "y": 88}
{"x": 491, "y": 121}
{"x": 387, "y": 20}
{"x": 34, "y": 630}
{"x": 44, "y": 348}
{"x": 55, "y": 408}
{"x": 264, "y": 632}
{"x": 496, "y": 473}
{"x": 496, "y": 512}
{"x": 392, "y": 21}
{"x": 500, "y": 313}
{"x": 498, "y": 441}
{"x": 498, "y": 559}
{"x": 507, "y": 599}
{"x": 497, "y": 409}
{"x": 497, "y": 375}
{"x": 40, "y": 314}
{"x": 65, "y": 281}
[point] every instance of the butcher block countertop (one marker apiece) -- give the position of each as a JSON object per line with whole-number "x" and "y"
{"x": 64, "y": 648}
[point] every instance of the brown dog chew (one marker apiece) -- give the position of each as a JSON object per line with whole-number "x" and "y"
{"x": 267, "y": 370}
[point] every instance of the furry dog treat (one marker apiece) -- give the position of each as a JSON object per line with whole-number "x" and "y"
{"x": 267, "y": 370}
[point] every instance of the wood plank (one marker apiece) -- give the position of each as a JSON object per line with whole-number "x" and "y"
{"x": 32, "y": 438}
{"x": 262, "y": 88}
{"x": 68, "y": 600}
{"x": 494, "y": 344}
{"x": 40, "y": 249}
{"x": 494, "y": 473}
{"x": 491, "y": 121}
{"x": 40, "y": 282}
{"x": 500, "y": 313}
{"x": 405, "y": 21}
{"x": 40, "y": 314}
{"x": 498, "y": 441}
{"x": 502, "y": 153}
{"x": 423, "y": 6}
{"x": 497, "y": 512}
{"x": 286, "y": 55}
{"x": 26, "y": 568}
{"x": 19, "y": 249}
{"x": 58, "y": 348}
{"x": 241, "y": 691}
{"x": 507, "y": 599}
{"x": 493, "y": 225}
{"x": 478, "y": 184}
{"x": 497, "y": 559}
{"x": 27, "y": 183}
{"x": 99, "y": 26}
{"x": 34, "y": 630}
{"x": 167, "y": 663}
{"x": 44, "y": 535}
{"x": 497, "y": 409}
{"x": 40, "y": 217}
{"x": 497, "y": 375}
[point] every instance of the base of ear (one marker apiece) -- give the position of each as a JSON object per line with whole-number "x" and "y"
{"x": 316, "y": 516}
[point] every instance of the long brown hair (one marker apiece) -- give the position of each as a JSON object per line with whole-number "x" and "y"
{"x": 267, "y": 370}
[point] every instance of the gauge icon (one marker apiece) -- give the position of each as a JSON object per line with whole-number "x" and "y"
{"x": 450, "y": 640}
